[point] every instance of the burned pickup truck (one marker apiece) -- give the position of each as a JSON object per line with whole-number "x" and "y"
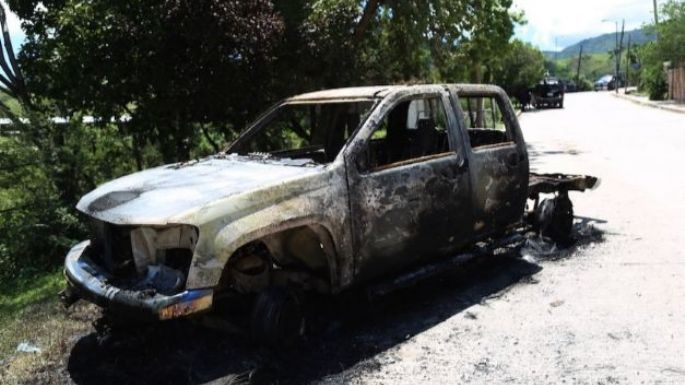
{"x": 326, "y": 191}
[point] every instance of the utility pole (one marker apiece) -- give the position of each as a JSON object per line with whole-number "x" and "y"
{"x": 616, "y": 58}
{"x": 580, "y": 59}
{"x": 656, "y": 20}
{"x": 619, "y": 50}
{"x": 628, "y": 65}
{"x": 556, "y": 51}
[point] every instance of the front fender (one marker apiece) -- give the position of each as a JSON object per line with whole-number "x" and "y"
{"x": 274, "y": 219}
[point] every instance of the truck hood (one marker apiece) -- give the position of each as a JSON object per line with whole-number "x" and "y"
{"x": 172, "y": 193}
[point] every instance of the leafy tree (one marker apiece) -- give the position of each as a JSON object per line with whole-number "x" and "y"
{"x": 412, "y": 40}
{"x": 173, "y": 66}
{"x": 519, "y": 67}
{"x": 670, "y": 45}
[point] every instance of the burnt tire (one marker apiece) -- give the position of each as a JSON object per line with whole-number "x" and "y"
{"x": 277, "y": 318}
{"x": 554, "y": 218}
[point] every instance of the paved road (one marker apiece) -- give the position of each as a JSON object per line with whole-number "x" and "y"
{"x": 613, "y": 311}
{"x": 609, "y": 311}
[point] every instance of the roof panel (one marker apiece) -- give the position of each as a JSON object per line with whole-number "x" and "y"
{"x": 347, "y": 93}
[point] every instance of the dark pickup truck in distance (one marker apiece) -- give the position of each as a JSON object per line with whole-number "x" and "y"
{"x": 324, "y": 192}
{"x": 548, "y": 93}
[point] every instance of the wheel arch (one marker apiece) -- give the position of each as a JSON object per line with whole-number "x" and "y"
{"x": 231, "y": 238}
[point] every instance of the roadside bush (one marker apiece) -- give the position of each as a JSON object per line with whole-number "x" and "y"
{"x": 654, "y": 82}
{"x": 39, "y": 189}
{"x": 584, "y": 84}
{"x": 32, "y": 218}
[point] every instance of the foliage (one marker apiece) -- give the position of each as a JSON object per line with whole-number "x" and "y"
{"x": 167, "y": 63}
{"x": 593, "y": 66}
{"x": 584, "y": 84}
{"x": 654, "y": 82}
{"x": 40, "y": 186}
{"x": 520, "y": 67}
{"x": 10, "y": 102}
{"x": 669, "y": 47}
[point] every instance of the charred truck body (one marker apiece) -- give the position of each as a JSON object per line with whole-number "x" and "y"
{"x": 326, "y": 191}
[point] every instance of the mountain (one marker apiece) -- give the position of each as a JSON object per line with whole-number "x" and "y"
{"x": 602, "y": 43}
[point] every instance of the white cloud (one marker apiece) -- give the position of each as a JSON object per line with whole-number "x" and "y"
{"x": 568, "y": 22}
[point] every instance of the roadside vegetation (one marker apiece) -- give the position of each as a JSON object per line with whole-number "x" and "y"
{"x": 592, "y": 67}
{"x": 668, "y": 49}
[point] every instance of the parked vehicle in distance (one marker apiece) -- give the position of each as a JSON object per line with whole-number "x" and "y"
{"x": 548, "y": 93}
{"x": 603, "y": 82}
{"x": 326, "y": 191}
{"x": 608, "y": 82}
{"x": 570, "y": 86}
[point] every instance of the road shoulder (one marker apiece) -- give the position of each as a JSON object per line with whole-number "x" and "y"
{"x": 668, "y": 105}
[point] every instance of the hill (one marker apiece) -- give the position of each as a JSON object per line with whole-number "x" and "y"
{"x": 602, "y": 43}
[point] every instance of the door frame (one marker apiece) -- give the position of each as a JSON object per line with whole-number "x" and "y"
{"x": 358, "y": 145}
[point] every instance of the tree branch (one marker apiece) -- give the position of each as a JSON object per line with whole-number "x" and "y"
{"x": 367, "y": 15}
{"x": 211, "y": 141}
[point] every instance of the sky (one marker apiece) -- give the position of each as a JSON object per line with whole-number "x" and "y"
{"x": 14, "y": 26}
{"x": 551, "y": 23}
{"x": 568, "y": 22}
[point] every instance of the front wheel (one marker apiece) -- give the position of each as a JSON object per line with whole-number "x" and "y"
{"x": 278, "y": 318}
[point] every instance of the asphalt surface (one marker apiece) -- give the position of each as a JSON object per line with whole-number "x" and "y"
{"x": 610, "y": 310}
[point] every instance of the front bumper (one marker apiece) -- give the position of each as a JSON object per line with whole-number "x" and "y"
{"x": 549, "y": 99}
{"x": 87, "y": 280}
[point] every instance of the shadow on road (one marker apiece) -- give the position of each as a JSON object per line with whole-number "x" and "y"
{"x": 533, "y": 110}
{"x": 350, "y": 333}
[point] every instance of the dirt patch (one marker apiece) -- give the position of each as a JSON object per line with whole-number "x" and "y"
{"x": 53, "y": 330}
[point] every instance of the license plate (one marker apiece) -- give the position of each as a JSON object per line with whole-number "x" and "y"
{"x": 550, "y": 94}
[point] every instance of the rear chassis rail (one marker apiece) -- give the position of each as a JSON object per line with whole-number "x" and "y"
{"x": 559, "y": 183}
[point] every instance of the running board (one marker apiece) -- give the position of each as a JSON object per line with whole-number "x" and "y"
{"x": 508, "y": 244}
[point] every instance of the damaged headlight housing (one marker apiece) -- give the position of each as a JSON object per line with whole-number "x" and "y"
{"x": 146, "y": 257}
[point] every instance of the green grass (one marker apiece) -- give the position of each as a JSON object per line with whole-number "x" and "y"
{"x": 28, "y": 291}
